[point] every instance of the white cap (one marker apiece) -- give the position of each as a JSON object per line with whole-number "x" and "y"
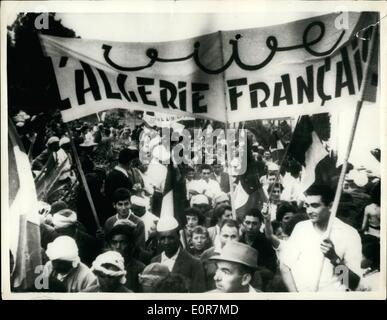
{"x": 199, "y": 199}
{"x": 167, "y": 224}
{"x": 138, "y": 201}
{"x": 63, "y": 141}
{"x": 64, "y": 218}
{"x": 52, "y": 140}
{"x": 63, "y": 248}
{"x": 113, "y": 258}
{"x": 109, "y": 257}
{"x": 272, "y": 166}
{"x": 220, "y": 197}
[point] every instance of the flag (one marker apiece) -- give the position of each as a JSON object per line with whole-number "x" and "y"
{"x": 307, "y": 148}
{"x": 276, "y": 147}
{"x": 174, "y": 193}
{"x": 370, "y": 37}
{"x": 24, "y": 231}
{"x": 248, "y": 192}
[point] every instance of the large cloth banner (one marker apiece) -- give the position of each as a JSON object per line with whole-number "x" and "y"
{"x": 303, "y": 67}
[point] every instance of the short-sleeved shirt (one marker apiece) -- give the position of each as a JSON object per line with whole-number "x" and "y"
{"x": 302, "y": 254}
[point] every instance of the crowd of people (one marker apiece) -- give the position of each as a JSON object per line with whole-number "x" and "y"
{"x": 127, "y": 244}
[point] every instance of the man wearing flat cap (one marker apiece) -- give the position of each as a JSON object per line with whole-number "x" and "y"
{"x": 235, "y": 268}
{"x": 176, "y": 258}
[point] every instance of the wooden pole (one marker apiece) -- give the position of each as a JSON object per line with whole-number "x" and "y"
{"x": 83, "y": 178}
{"x": 339, "y": 188}
{"x": 231, "y": 184}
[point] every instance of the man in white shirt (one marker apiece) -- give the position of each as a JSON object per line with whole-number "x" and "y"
{"x": 308, "y": 246}
{"x": 208, "y": 187}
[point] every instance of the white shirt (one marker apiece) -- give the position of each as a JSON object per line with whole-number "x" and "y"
{"x": 169, "y": 262}
{"x": 292, "y": 188}
{"x": 302, "y": 254}
{"x": 210, "y": 188}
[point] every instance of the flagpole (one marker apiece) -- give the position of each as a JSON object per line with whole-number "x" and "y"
{"x": 281, "y": 164}
{"x": 227, "y": 127}
{"x": 231, "y": 184}
{"x": 339, "y": 188}
{"x": 83, "y": 178}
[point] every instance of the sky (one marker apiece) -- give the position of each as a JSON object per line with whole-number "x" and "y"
{"x": 149, "y": 27}
{"x": 167, "y": 26}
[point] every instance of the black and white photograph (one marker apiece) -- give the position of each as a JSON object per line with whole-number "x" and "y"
{"x": 177, "y": 149}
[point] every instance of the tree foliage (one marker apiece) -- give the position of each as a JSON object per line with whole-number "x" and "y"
{"x": 31, "y": 82}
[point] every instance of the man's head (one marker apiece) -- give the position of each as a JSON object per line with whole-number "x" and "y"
{"x": 229, "y": 231}
{"x": 222, "y": 212}
{"x": 152, "y": 275}
{"x": 138, "y": 205}
{"x": 218, "y": 168}
{"x": 65, "y": 222}
{"x": 53, "y": 144}
{"x": 121, "y": 202}
{"x": 168, "y": 235}
{"x": 235, "y": 267}
{"x": 189, "y": 173}
{"x": 121, "y": 239}
{"x": 267, "y": 155}
{"x": 110, "y": 270}
{"x": 221, "y": 198}
{"x": 275, "y": 191}
{"x": 65, "y": 144}
{"x": 63, "y": 254}
{"x": 206, "y": 172}
{"x": 200, "y": 238}
{"x": 318, "y": 203}
{"x": 252, "y": 222}
{"x": 126, "y": 156}
{"x": 271, "y": 178}
{"x": 284, "y": 213}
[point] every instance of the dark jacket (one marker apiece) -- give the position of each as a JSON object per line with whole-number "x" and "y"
{"x": 133, "y": 269}
{"x": 115, "y": 180}
{"x": 266, "y": 254}
{"x": 189, "y": 267}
